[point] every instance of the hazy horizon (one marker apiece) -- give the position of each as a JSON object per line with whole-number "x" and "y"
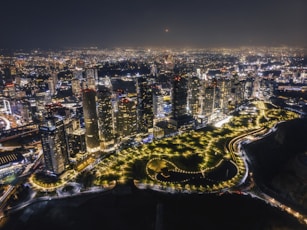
{"x": 152, "y": 23}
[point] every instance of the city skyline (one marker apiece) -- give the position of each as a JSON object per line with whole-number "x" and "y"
{"x": 105, "y": 24}
{"x": 200, "y": 122}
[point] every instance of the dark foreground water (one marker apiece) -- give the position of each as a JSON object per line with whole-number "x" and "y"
{"x": 151, "y": 210}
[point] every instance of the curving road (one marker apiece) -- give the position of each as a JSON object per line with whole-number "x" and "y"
{"x": 251, "y": 188}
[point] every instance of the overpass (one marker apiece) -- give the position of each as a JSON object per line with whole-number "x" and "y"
{"x": 22, "y": 131}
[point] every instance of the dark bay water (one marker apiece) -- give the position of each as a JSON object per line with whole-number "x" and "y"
{"x": 152, "y": 210}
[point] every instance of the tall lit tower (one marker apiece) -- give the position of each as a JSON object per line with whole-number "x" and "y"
{"x": 76, "y": 86}
{"x": 90, "y": 120}
{"x": 193, "y": 95}
{"x": 54, "y": 144}
{"x": 91, "y": 78}
{"x": 237, "y": 90}
{"x": 144, "y": 105}
{"x": 180, "y": 116}
{"x": 225, "y": 91}
{"x": 51, "y": 86}
{"x": 105, "y": 115}
{"x": 126, "y": 117}
{"x": 1, "y": 80}
{"x": 179, "y": 96}
{"x": 8, "y": 75}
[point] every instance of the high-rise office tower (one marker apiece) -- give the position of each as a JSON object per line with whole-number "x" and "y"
{"x": 225, "y": 91}
{"x": 76, "y": 82}
{"x": 91, "y": 84}
{"x": 144, "y": 105}
{"x": 237, "y": 91}
{"x": 158, "y": 105}
{"x": 91, "y": 73}
{"x": 76, "y": 136}
{"x": 153, "y": 70}
{"x": 54, "y": 144}
{"x": 75, "y": 86}
{"x": 91, "y": 120}
{"x": 105, "y": 116}
{"x": 8, "y": 78}
{"x": 54, "y": 79}
{"x": 126, "y": 118}
{"x": 193, "y": 95}
{"x": 91, "y": 78}
{"x": 180, "y": 117}
{"x": 76, "y": 142}
{"x": 51, "y": 86}
{"x": 179, "y": 96}
{"x": 248, "y": 88}
{"x": 2, "y": 82}
{"x": 209, "y": 100}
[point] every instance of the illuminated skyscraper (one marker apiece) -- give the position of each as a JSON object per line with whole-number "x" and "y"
{"x": 193, "y": 95}
{"x": 54, "y": 144}
{"x": 54, "y": 79}
{"x": 2, "y": 82}
{"x": 91, "y": 78}
{"x": 209, "y": 100}
{"x": 75, "y": 86}
{"x": 90, "y": 120}
{"x": 158, "y": 105}
{"x": 76, "y": 142}
{"x": 126, "y": 118}
{"x": 225, "y": 90}
{"x": 51, "y": 86}
{"x": 180, "y": 117}
{"x": 144, "y": 105}
{"x": 105, "y": 115}
{"x": 75, "y": 136}
{"x": 8, "y": 78}
{"x": 179, "y": 96}
{"x": 237, "y": 91}
{"x": 91, "y": 73}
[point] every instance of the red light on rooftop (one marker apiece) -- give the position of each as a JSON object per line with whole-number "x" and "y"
{"x": 125, "y": 100}
{"x": 9, "y": 84}
{"x": 177, "y": 78}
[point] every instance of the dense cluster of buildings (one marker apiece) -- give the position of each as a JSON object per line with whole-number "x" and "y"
{"x": 91, "y": 101}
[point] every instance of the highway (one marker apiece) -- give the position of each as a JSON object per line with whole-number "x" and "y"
{"x": 233, "y": 144}
{"x": 22, "y": 134}
{"x": 252, "y": 189}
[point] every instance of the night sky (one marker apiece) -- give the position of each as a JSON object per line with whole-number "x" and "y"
{"x": 152, "y": 23}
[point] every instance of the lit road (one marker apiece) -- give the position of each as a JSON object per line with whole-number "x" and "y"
{"x": 3, "y": 139}
{"x": 233, "y": 144}
{"x": 20, "y": 180}
{"x": 252, "y": 189}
